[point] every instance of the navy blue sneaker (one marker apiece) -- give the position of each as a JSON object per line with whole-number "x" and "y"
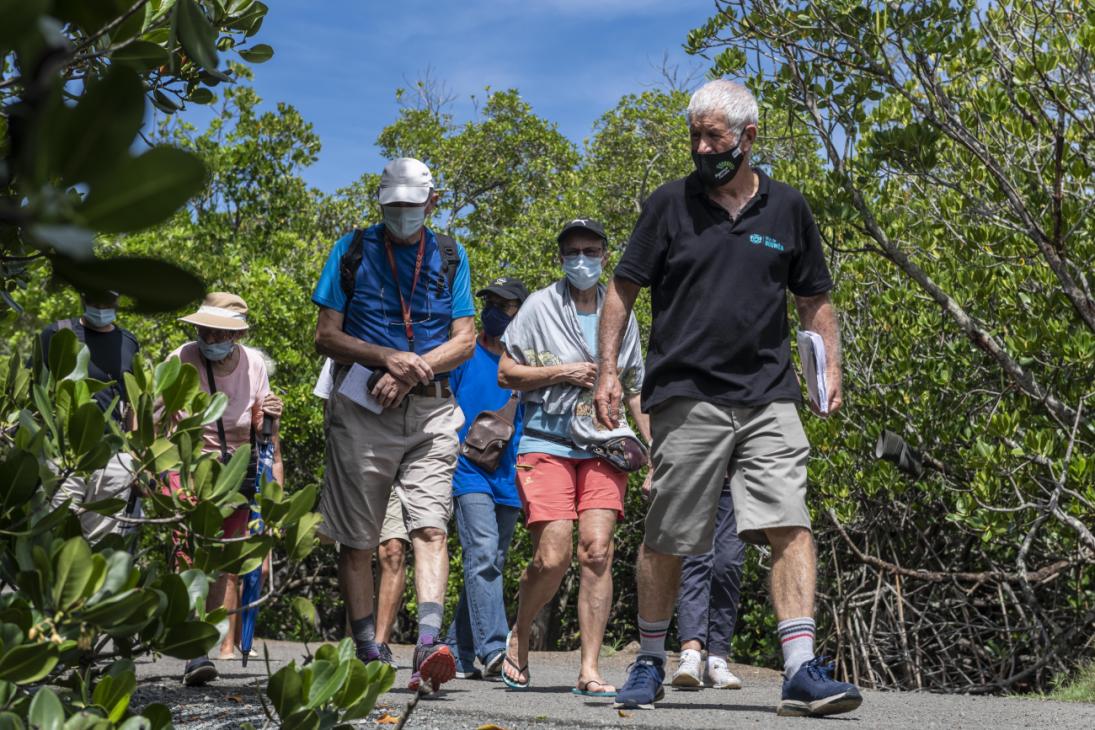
{"x": 813, "y": 691}
{"x": 644, "y": 685}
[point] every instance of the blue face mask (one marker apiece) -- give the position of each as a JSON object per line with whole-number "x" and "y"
{"x": 97, "y": 317}
{"x": 495, "y": 321}
{"x": 215, "y": 351}
{"x": 582, "y": 271}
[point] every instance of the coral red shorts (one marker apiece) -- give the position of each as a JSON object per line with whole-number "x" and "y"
{"x": 560, "y": 488}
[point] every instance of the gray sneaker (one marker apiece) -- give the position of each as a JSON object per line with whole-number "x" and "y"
{"x": 384, "y": 655}
{"x": 199, "y": 672}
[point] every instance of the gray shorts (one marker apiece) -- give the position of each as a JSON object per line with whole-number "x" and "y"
{"x": 409, "y": 450}
{"x": 696, "y": 445}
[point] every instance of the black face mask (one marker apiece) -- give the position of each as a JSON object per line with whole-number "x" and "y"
{"x": 718, "y": 168}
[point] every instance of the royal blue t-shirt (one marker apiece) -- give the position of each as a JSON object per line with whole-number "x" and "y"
{"x": 375, "y": 314}
{"x": 475, "y": 384}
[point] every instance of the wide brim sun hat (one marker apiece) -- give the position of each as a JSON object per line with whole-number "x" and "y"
{"x": 220, "y": 311}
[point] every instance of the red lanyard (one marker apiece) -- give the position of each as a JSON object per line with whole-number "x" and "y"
{"x": 414, "y": 283}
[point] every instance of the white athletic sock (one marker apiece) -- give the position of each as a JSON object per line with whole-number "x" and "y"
{"x": 652, "y": 638}
{"x": 796, "y": 637}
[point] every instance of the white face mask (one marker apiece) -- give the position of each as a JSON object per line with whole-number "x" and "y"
{"x": 403, "y": 222}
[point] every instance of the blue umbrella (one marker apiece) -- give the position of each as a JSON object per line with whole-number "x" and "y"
{"x": 252, "y": 582}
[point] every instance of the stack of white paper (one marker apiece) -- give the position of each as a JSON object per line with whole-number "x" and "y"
{"x": 811, "y": 350}
{"x": 355, "y": 386}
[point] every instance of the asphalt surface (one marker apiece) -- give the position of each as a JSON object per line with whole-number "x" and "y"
{"x": 550, "y": 704}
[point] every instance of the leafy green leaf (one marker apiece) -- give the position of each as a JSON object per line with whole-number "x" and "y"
{"x": 85, "y": 428}
{"x": 46, "y": 712}
{"x": 102, "y": 126}
{"x": 62, "y": 352}
{"x": 285, "y": 690}
{"x": 259, "y": 53}
{"x": 157, "y": 286}
{"x": 72, "y": 572}
{"x": 28, "y": 663}
{"x": 189, "y": 639}
{"x": 196, "y": 34}
{"x": 305, "y": 610}
{"x": 143, "y": 191}
{"x": 18, "y": 478}
{"x": 327, "y": 679}
{"x": 113, "y": 693}
{"x": 231, "y": 474}
{"x": 158, "y": 715}
{"x": 141, "y": 55}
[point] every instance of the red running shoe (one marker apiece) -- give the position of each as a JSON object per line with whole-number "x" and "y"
{"x": 434, "y": 665}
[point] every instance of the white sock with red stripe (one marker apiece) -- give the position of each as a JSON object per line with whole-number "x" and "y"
{"x": 796, "y": 637}
{"x": 652, "y": 638}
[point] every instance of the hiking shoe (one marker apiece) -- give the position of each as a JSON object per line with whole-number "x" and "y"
{"x": 433, "y": 666}
{"x": 493, "y": 667}
{"x": 689, "y": 674}
{"x": 384, "y": 655}
{"x": 813, "y": 691}
{"x": 719, "y": 675}
{"x": 644, "y": 685}
{"x": 199, "y": 672}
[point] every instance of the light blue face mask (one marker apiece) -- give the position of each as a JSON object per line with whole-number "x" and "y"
{"x": 215, "y": 351}
{"x": 404, "y": 222}
{"x": 97, "y": 317}
{"x": 582, "y": 271}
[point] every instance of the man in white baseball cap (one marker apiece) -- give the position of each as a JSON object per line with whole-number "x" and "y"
{"x": 395, "y": 298}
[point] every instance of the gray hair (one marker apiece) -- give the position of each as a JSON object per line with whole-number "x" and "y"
{"x": 725, "y": 97}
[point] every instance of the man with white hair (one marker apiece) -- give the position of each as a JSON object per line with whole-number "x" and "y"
{"x": 719, "y": 250}
{"x": 395, "y": 299}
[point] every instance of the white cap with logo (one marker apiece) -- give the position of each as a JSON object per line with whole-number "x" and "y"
{"x": 405, "y": 180}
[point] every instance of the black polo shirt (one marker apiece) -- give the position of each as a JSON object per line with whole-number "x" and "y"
{"x": 719, "y": 291}
{"x": 111, "y": 356}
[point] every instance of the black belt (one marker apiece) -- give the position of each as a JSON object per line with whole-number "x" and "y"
{"x": 433, "y": 389}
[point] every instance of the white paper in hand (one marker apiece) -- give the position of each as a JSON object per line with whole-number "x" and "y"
{"x": 355, "y": 386}
{"x": 326, "y": 380}
{"x": 811, "y": 350}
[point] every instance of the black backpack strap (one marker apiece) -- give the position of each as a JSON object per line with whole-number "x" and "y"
{"x": 450, "y": 256}
{"x": 348, "y": 266}
{"x": 220, "y": 421}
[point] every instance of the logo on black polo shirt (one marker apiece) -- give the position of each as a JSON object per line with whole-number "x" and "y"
{"x": 767, "y": 241}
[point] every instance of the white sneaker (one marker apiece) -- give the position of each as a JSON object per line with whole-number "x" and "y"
{"x": 689, "y": 672}
{"x": 719, "y": 674}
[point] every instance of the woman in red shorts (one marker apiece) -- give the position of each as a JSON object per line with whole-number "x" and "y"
{"x": 551, "y": 347}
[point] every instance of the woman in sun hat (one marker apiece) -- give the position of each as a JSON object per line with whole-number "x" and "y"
{"x": 240, "y": 373}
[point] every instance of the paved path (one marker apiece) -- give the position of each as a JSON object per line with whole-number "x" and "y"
{"x": 549, "y": 704}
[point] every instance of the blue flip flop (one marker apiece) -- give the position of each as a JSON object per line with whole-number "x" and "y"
{"x": 511, "y": 683}
{"x": 583, "y": 689}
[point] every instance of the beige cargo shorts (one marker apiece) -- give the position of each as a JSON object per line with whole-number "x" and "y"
{"x": 408, "y": 451}
{"x": 696, "y": 445}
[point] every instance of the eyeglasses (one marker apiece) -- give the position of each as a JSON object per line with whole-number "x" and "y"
{"x": 592, "y": 253}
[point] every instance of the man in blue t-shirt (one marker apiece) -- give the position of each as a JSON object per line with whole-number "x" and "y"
{"x": 388, "y": 304}
{"x": 486, "y": 502}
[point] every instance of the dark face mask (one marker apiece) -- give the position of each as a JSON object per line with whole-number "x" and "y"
{"x": 718, "y": 168}
{"x": 495, "y": 321}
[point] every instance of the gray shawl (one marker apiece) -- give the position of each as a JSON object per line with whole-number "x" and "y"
{"x": 546, "y": 332}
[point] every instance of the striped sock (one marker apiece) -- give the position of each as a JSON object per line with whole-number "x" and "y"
{"x": 796, "y": 637}
{"x": 652, "y": 638}
{"x": 429, "y": 622}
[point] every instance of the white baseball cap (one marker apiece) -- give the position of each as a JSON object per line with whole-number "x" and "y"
{"x": 405, "y": 180}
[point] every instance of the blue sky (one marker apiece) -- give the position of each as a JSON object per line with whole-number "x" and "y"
{"x": 340, "y": 61}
